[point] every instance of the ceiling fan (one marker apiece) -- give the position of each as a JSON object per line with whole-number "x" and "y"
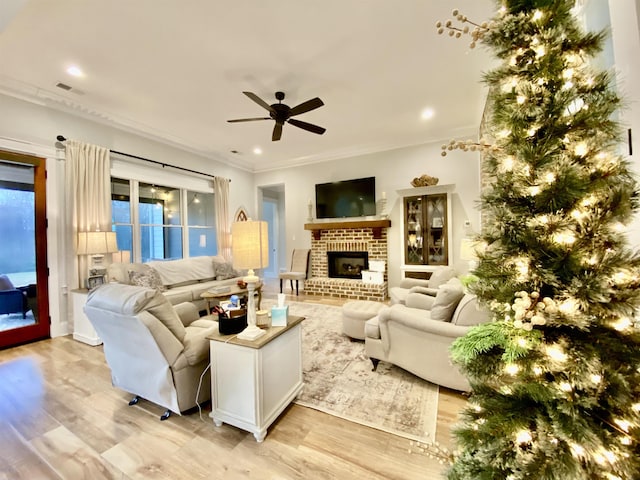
{"x": 282, "y": 113}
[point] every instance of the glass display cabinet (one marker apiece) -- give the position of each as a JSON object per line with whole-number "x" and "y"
{"x": 426, "y": 226}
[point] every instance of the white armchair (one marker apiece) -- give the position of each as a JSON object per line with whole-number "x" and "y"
{"x": 417, "y": 336}
{"x": 439, "y": 276}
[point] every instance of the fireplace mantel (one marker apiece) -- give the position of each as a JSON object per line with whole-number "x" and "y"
{"x": 375, "y": 225}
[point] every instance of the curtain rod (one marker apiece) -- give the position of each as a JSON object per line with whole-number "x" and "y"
{"x": 61, "y": 138}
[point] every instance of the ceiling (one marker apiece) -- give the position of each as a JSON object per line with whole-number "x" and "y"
{"x": 175, "y": 71}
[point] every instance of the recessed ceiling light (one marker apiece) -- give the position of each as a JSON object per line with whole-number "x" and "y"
{"x": 75, "y": 71}
{"x": 257, "y": 151}
{"x": 427, "y": 113}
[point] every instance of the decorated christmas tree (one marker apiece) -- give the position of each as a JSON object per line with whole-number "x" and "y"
{"x": 555, "y": 375}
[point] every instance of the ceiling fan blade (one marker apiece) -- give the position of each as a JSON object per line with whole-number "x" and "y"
{"x": 277, "y": 132}
{"x": 310, "y": 127}
{"x": 248, "y": 119}
{"x": 306, "y": 106}
{"x": 259, "y": 101}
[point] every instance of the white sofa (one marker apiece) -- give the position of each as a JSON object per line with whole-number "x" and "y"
{"x": 181, "y": 280}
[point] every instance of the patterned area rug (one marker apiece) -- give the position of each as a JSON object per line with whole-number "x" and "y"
{"x": 339, "y": 381}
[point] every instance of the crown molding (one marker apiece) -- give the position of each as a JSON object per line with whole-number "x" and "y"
{"x": 48, "y": 99}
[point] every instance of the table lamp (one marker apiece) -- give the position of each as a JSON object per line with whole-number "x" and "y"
{"x": 96, "y": 244}
{"x": 250, "y": 250}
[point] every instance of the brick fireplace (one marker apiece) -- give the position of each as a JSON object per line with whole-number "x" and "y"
{"x": 346, "y": 238}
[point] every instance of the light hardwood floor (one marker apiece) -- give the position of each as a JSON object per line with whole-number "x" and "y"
{"x": 60, "y": 418}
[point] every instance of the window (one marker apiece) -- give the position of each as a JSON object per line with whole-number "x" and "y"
{"x": 17, "y": 223}
{"x": 121, "y": 213}
{"x": 160, "y": 226}
{"x": 201, "y": 218}
{"x": 166, "y": 220}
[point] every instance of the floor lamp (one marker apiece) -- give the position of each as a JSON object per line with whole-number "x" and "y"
{"x": 250, "y": 250}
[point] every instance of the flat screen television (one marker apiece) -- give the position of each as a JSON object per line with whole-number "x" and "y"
{"x": 347, "y": 198}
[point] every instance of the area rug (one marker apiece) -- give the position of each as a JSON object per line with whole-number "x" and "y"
{"x": 338, "y": 380}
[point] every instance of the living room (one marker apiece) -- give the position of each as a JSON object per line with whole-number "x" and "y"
{"x": 31, "y": 126}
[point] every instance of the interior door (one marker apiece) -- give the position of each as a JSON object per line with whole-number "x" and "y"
{"x": 270, "y": 215}
{"x": 24, "y": 299}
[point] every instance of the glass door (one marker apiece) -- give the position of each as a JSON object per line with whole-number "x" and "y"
{"x": 425, "y": 220}
{"x": 414, "y": 224}
{"x": 436, "y": 229}
{"x": 24, "y": 303}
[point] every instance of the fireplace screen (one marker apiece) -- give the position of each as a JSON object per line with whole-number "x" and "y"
{"x": 347, "y": 264}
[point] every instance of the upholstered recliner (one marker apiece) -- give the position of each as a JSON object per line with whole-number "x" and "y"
{"x": 299, "y": 268}
{"x": 439, "y": 276}
{"x": 417, "y": 336}
{"x": 154, "y": 350}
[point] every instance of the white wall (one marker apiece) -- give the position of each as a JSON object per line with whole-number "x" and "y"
{"x": 29, "y": 128}
{"x": 625, "y": 33}
{"x": 394, "y": 170}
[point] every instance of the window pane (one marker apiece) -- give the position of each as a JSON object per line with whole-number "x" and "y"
{"x": 202, "y": 241}
{"x": 120, "y": 201}
{"x": 166, "y": 202}
{"x": 160, "y": 243}
{"x": 124, "y": 237}
{"x": 17, "y": 227}
{"x": 200, "y": 209}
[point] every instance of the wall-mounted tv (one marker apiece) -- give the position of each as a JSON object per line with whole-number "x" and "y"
{"x": 348, "y": 198}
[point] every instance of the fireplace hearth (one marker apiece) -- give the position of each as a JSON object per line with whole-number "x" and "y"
{"x": 347, "y": 264}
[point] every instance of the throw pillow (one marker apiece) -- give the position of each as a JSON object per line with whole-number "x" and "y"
{"x": 5, "y": 283}
{"x": 446, "y": 301}
{"x": 149, "y": 278}
{"x": 440, "y": 275}
{"x": 225, "y": 270}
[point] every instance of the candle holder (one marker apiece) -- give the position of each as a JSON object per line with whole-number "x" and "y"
{"x": 382, "y": 206}
{"x": 310, "y": 214}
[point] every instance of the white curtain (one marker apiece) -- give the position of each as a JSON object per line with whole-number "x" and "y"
{"x": 223, "y": 227}
{"x": 88, "y": 198}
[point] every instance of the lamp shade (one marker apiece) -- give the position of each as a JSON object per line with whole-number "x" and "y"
{"x": 250, "y": 245}
{"x": 93, "y": 243}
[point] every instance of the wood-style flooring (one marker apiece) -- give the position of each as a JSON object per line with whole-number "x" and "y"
{"x": 60, "y": 418}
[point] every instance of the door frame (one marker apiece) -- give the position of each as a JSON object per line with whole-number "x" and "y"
{"x": 273, "y": 227}
{"x": 42, "y": 328}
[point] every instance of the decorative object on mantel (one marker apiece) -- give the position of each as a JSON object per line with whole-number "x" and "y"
{"x": 382, "y": 206}
{"x": 424, "y": 181}
{"x": 310, "y": 209}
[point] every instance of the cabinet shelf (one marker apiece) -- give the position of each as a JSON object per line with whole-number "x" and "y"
{"x": 427, "y": 229}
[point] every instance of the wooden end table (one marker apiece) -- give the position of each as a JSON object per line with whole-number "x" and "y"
{"x": 253, "y": 381}
{"x": 233, "y": 290}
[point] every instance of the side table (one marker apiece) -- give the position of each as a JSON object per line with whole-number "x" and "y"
{"x": 252, "y": 382}
{"x": 83, "y": 331}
